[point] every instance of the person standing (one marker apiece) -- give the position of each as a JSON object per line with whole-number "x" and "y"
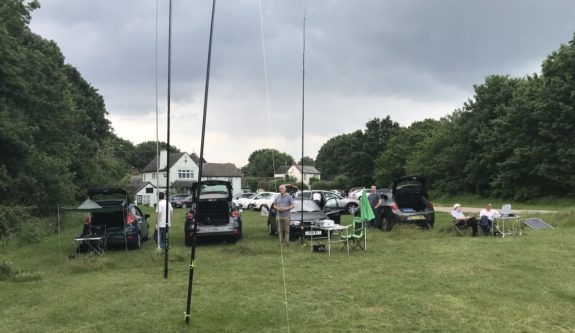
{"x": 486, "y": 218}
{"x": 164, "y": 207}
{"x": 374, "y": 202}
{"x": 316, "y": 197}
{"x": 283, "y": 204}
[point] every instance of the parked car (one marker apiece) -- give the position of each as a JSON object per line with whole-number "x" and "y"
{"x": 176, "y": 200}
{"x": 262, "y": 200}
{"x": 117, "y": 220}
{"x": 217, "y": 216}
{"x": 187, "y": 201}
{"x": 241, "y": 200}
{"x": 311, "y": 213}
{"x": 336, "y": 201}
{"x": 407, "y": 202}
{"x": 355, "y": 192}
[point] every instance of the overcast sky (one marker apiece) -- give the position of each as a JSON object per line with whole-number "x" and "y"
{"x": 409, "y": 59}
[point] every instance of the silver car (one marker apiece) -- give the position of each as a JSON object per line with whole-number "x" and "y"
{"x": 333, "y": 200}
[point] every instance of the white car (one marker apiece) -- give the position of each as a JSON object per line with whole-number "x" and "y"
{"x": 241, "y": 200}
{"x": 261, "y": 200}
{"x": 332, "y": 200}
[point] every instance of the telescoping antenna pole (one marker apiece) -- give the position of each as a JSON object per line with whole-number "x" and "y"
{"x": 167, "y": 212}
{"x": 302, "y": 128}
{"x": 198, "y": 188}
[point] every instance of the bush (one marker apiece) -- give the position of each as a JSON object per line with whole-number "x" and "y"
{"x": 20, "y": 225}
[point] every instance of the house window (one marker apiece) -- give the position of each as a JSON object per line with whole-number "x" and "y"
{"x": 186, "y": 174}
{"x": 149, "y": 190}
{"x": 154, "y": 175}
{"x": 138, "y": 199}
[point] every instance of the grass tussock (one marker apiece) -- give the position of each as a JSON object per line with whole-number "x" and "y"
{"x": 8, "y": 272}
{"x": 89, "y": 263}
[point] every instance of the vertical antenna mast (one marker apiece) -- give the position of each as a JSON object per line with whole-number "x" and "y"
{"x": 167, "y": 244}
{"x": 302, "y": 126}
{"x": 198, "y": 188}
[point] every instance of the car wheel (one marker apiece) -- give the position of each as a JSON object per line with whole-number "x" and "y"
{"x": 184, "y": 206}
{"x": 264, "y": 206}
{"x": 147, "y": 234}
{"x": 352, "y": 208}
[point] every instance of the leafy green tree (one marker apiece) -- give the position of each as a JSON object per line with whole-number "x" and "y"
{"x": 261, "y": 163}
{"x": 306, "y": 161}
{"x": 146, "y": 151}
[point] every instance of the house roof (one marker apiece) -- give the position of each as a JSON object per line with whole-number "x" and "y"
{"x": 220, "y": 170}
{"x": 308, "y": 169}
{"x": 137, "y": 187}
{"x": 196, "y": 158}
{"x": 183, "y": 183}
{"x": 283, "y": 169}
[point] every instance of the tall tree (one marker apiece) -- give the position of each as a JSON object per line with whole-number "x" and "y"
{"x": 261, "y": 162}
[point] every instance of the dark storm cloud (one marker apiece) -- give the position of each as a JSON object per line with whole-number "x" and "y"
{"x": 408, "y": 59}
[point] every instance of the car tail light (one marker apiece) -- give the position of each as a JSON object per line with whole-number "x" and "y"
{"x": 189, "y": 216}
{"x": 394, "y": 208}
{"x": 235, "y": 213}
{"x": 131, "y": 218}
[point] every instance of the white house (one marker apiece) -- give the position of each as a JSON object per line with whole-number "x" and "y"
{"x": 184, "y": 170}
{"x": 145, "y": 193}
{"x": 295, "y": 171}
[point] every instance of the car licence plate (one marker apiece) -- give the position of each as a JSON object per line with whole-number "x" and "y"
{"x": 313, "y": 233}
{"x": 416, "y": 217}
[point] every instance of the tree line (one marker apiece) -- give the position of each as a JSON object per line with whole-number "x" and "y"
{"x": 513, "y": 139}
{"x": 56, "y": 140}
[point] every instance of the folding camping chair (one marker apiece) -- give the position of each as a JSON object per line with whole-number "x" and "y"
{"x": 357, "y": 237}
{"x": 460, "y": 230}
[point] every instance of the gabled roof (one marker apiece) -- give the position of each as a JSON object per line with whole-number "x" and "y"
{"x": 151, "y": 167}
{"x": 137, "y": 187}
{"x": 183, "y": 183}
{"x": 196, "y": 158}
{"x": 308, "y": 169}
{"x": 283, "y": 169}
{"x": 220, "y": 170}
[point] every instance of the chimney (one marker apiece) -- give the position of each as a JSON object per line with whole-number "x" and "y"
{"x": 163, "y": 159}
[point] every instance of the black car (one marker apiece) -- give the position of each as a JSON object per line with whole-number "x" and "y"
{"x": 214, "y": 212}
{"x": 116, "y": 219}
{"x": 407, "y": 202}
{"x": 311, "y": 213}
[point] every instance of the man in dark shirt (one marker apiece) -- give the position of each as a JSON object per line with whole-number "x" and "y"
{"x": 373, "y": 199}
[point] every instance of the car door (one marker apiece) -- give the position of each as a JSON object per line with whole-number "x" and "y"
{"x": 142, "y": 222}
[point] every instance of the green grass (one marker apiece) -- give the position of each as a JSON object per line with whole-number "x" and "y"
{"x": 408, "y": 280}
{"x": 547, "y": 203}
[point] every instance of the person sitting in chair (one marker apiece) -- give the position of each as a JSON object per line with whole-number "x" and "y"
{"x": 486, "y": 218}
{"x": 462, "y": 219}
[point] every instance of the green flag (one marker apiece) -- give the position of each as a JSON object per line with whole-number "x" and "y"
{"x": 366, "y": 213}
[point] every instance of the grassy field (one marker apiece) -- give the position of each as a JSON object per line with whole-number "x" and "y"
{"x": 546, "y": 203}
{"x": 408, "y": 280}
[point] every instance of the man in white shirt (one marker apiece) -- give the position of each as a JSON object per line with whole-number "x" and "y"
{"x": 486, "y": 218}
{"x": 462, "y": 219}
{"x": 163, "y": 207}
{"x": 316, "y": 196}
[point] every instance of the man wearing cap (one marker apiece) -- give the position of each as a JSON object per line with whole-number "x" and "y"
{"x": 462, "y": 219}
